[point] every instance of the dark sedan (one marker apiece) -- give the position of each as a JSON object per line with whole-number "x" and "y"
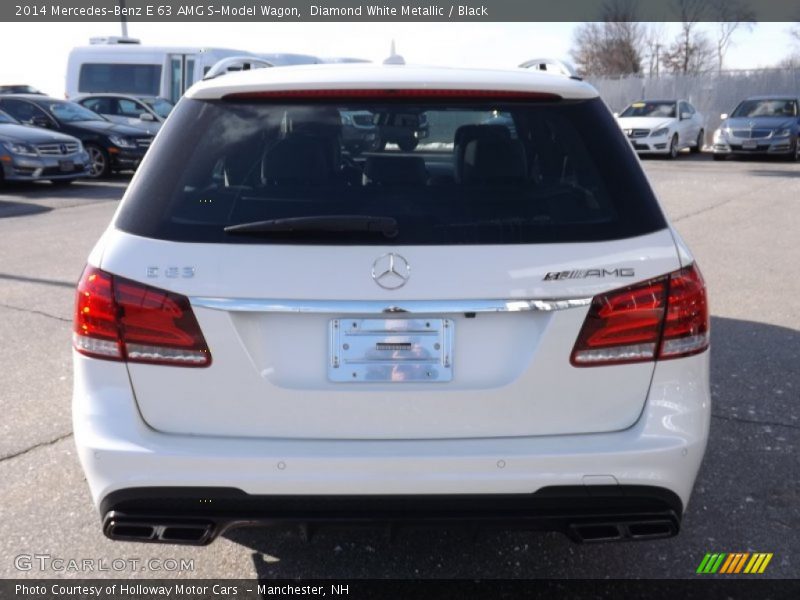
{"x": 765, "y": 125}
{"x": 111, "y": 147}
{"x": 32, "y": 154}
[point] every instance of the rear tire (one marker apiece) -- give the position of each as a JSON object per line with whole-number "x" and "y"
{"x": 795, "y": 156}
{"x": 407, "y": 144}
{"x": 698, "y": 146}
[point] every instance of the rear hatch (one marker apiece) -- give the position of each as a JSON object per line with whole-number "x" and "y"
{"x": 433, "y": 293}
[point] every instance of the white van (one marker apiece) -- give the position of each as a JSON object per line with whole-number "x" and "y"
{"x": 124, "y": 66}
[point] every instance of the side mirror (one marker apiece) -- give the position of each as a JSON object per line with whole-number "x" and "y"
{"x": 686, "y": 116}
{"x": 723, "y": 116}
{"x": 145, "y": 116}
{"x": 616, "y": 115}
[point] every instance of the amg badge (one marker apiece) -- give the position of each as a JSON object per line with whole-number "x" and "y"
{"x": 589, "y": 273}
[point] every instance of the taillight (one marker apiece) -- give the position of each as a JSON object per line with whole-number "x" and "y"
{"x": 661, "y": 318}
{"x": 120, "y": 319}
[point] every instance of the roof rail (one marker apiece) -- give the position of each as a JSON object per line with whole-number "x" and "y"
{"x": 236, "y": 63}
{"x": 553, "y": 66}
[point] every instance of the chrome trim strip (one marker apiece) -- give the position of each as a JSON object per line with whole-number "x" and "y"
{"x": 353, "y": 307}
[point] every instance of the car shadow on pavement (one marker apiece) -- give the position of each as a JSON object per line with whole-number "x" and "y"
{"x": 102, "y": 189}
{"x": 774, "y": 173}
{"x": 20, "y": 209}
{"x": 746, "y": 497}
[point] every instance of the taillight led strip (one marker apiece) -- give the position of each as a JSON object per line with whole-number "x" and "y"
{"x": 388, "y": 94}
{"x": 120, "y": 319}
{"x": 663, "y": 318}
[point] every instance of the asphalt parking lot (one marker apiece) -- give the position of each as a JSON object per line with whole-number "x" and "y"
{"x": 742, "y": 220}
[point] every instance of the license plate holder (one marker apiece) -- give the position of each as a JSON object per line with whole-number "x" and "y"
{"x": 66, "y": 166}
{"x": 749, "y": 144}
{"x": 393, "y": 350}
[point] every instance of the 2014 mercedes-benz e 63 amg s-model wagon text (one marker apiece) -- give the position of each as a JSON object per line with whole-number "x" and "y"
{"x": 496, "y": 325}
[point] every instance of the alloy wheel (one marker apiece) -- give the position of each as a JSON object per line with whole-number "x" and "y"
{"x": 98, "y": 162}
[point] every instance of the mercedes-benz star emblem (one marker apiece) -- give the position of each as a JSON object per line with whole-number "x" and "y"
{"x": 391, "y": 271}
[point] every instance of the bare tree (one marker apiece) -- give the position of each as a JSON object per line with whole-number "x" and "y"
{"x": 613, "y": 46}
{"x": 731, "y": 16}
{"x": 691, "y": 52}
{"x": 792, "y": 61}
{"x": 654, "y": 46}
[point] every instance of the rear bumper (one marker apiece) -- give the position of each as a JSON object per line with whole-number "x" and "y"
{"x": 120, "y": 453}
{"x": 585, "y": 514}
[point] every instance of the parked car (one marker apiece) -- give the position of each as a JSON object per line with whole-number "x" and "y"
{"x": 111, "y": 147}
{"x": 145, "y": 113}
{"x": 762, "y": 125}
{"x": 32, "y": 154}
{"x": 405, "y": 129}
{"x": 19, "y": 89}
{"x": 663, "y": 126}
{"x": 497, "y": 327}
{"x": 359, "y": 132}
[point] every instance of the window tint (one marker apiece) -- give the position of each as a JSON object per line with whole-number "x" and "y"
{"x": 160, "y": 106}
{"x": 142, "y": 80}
{"x": 22, "y": 111}
{"x": 449, "y": 172}
{"x": 6, "y": 118}
{"x": 650, "y": 109}
{"x": 766, "y": 108}
{"x": 102, "y": 106}
{"x": 129, "y": 108}
{"x": 70, "y": 112}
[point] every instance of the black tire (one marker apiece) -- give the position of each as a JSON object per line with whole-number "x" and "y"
{"x": 100, "y": 163}
{"x": 380, "y": 145}
{"x": 407, "y": 144}
{"x": 795, "y": 156}
{"x": 698, "y": 146}
{"x": 673, "y": 147}
{"x": 62, "y": 181}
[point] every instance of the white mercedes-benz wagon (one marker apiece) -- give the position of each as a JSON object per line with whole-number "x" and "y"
{"x": 482, "y": 316}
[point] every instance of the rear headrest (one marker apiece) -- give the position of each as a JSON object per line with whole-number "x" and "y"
{"x": 467, "y": 133}
{"x": 493, "y": 161}
{"x": 297, "y": 159}
{"x": 316, "y": 121}
{"x": 395, "y": 170}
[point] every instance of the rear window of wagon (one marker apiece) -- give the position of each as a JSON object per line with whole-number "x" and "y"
{"x": 448, "y": 170}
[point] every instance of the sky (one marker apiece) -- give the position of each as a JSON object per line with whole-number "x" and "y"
{"x": 43, "y": 63}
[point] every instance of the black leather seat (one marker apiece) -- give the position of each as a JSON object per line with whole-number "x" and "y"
{"x": 298, "y": 160}
{"x": 493, "y": 161}
{"x": 467, "y": 133}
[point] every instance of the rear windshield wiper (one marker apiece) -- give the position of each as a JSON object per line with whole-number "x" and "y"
{"x": 387, "y": 226}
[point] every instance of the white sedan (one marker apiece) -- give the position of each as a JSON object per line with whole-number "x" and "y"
{"x": 663, "y": 127}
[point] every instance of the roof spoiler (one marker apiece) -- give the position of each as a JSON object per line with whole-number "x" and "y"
{"x": 553, "y": 66}
{"x": 236, "y": 63}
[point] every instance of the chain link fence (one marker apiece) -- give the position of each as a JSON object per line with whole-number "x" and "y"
{"x": 712, "y": 94}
